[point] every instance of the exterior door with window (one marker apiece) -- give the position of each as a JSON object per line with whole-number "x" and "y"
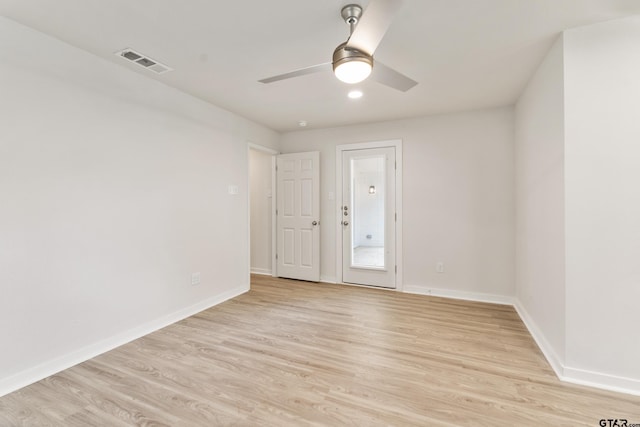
{"x": 368, "y": 217}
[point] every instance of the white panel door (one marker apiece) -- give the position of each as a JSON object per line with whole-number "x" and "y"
{"x": 368, "y": 214}
{"x": 298, "y": 216}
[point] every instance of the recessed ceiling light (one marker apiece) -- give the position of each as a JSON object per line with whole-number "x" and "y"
{"x": 355, "y": 94}
{"x": 302, "y": 123}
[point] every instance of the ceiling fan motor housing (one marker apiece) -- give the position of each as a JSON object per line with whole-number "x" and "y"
{"x": 344, "y": 54}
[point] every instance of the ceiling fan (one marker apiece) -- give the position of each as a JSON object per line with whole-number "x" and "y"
{"x": 353, "y": 60}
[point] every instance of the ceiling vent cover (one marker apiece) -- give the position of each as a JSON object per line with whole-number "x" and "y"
{"x": 144, "y": 61}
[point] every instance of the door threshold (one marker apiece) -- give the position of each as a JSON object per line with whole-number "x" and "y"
{"x": 359, "y": 285}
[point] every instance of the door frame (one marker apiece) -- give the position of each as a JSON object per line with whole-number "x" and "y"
{"x": 273, "y": 153}
{"x": 397, "y": 144}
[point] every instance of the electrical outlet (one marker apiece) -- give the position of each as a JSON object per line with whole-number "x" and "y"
{"x": 440, "y": 267}
{"x": 195, "y": 279}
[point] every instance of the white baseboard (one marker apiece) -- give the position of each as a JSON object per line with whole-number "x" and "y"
{"x": 603, "y": 381}
{"x": 463, "y": 295}
{"x": 564, "y": 373}
{"x": 573, "y": 375}
{"x": 37, "y": 373}
{"x": 261, "y": 271}
{"x": 544, "y": 346}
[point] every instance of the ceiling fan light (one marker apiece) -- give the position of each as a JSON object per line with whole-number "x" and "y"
{"x": 351, "y": 65}
{"x": 353, "y": 71}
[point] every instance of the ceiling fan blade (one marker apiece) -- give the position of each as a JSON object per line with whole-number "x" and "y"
{"x": 390, "y": 77}
{"x": 301, "y": 72}
{"x": 374, "y": 23}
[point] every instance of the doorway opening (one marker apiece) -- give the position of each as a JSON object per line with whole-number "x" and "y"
{"x": 284, "y": 213}
{"x": 261, "y": 207}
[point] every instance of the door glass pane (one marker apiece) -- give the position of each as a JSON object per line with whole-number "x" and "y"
{"x": 368, "y": 211}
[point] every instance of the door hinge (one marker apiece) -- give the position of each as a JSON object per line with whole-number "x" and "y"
{"x": 276, "y": 211}
{"x": 395, "y": 165}
{"x": 276, "y": 256}
{"x": 396, "y": 216}
{"x": 396, "y": 269}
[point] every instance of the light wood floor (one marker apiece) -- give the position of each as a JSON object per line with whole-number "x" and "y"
{"x": 296, "y": 353}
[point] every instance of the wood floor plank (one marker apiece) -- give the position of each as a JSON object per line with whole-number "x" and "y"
{"x": 303, "y": 354}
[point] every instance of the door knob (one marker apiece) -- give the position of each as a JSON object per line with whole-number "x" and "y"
{"x": 314, "y": 223}
{"x": 345, "y": 222}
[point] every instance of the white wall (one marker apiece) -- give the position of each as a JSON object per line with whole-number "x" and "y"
{"x": 458, "y": 198}
{"x": 540, "y": 229}
{"x": 113, "y": 191}
{"x": 578, "y": 204}
{"x": 261, "y": 227}
{"x": 602, "y": 87}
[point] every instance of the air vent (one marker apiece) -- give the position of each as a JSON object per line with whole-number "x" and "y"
{"x": 143, "y": 61}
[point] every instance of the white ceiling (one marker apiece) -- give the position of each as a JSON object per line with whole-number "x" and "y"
{"x": 465, "y": 54}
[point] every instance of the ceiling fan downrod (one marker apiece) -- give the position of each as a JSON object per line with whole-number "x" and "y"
{"x": 351, "y": 14}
